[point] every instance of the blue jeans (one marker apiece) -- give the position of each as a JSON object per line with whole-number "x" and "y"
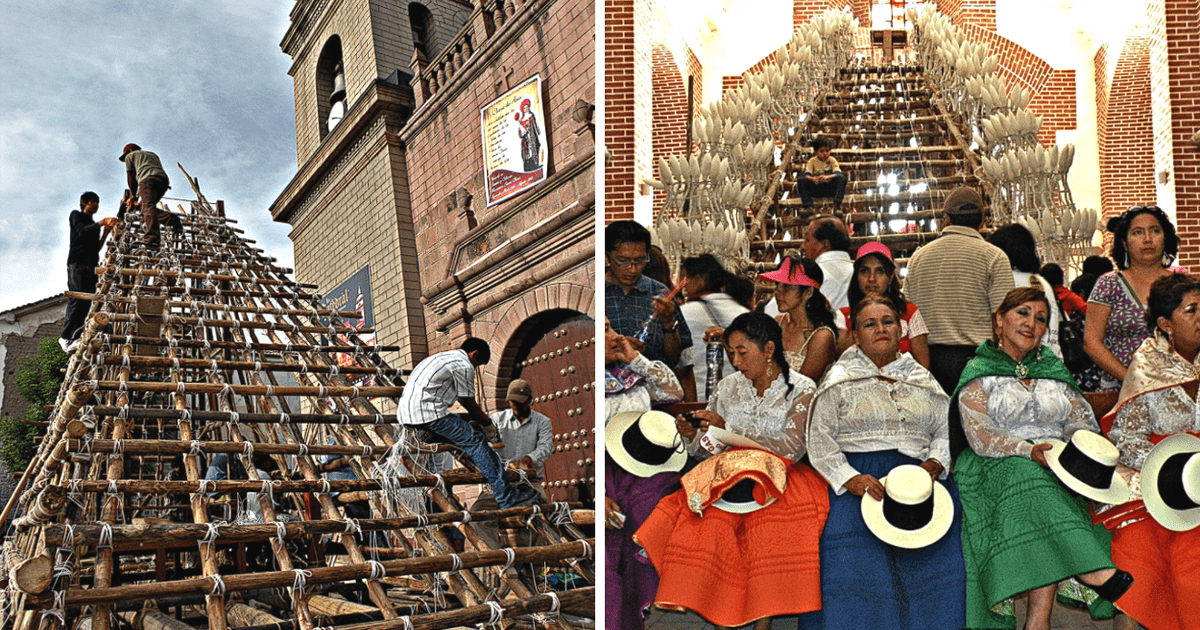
{"x": 471, "y": 440}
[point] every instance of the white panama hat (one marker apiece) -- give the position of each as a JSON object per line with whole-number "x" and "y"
{"x": 1088, "y": 465}
{"x": 739, "y": 498}
{"x": 915, "y": 512}
{"x": 1171, "y": 482}
{"x": 645, "y": 443}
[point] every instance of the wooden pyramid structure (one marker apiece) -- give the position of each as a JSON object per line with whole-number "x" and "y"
{"x": 202, "y": 355}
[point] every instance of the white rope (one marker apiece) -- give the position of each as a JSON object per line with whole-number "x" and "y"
{"x": 441, "y": 483}
{"x": 303, "y": 449}
{"x": 536, "y": 510}
{"x": 456, "y": 562}
{"x": 248, "y": 449}
{"x": 367, "y": 451}
{"x": 118, "y": 449}
{"x": 209, "y": 483}
{"x": 280, "y": 533}
{"x": 511, "y": 557}
{"x": 408, "y": 625}
{"x": 497, "y": 615}
{"x": 214, "y": 531}
{"x": 234, "y": 417}
{"x": 285, "y": 419}
{"x": 352, "y": 526}
{"x": 105, "y": 536}
{"x": 377, "y": 570}
{"x": 554, "y": 608}
{"x": 218, "y": 588}
{"x": 197, "y": 447}
{"x": 562, "y": 513}
{"x": 270, "y": 389}
{"x": 268, "y": 488}
{"x": 298, "y": 586}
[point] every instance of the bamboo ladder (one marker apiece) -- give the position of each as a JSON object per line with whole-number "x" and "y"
{"x": 204, "y": 347}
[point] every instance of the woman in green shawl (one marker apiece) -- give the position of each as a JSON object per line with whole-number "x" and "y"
{"x": 1023, "y": 531}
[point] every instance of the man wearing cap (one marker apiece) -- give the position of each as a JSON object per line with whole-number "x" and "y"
{"x": 528, "y": 441}
{"x": 82, "y": 258}
{"x": 958, "y": 281}
{"x": 827, "y": 241}
{"x": 438, "y": 382}
{"x": 148, "y": 182}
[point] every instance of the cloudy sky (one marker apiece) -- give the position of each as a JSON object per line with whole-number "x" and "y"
{"x": 200, "y": 83}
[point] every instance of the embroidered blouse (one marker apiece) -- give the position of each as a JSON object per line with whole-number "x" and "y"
{"x": 657, "y": 385}
{"x": 776, "y": 419}
{"x": 860, "y": 408}
{"x": 1164, "y": 412}
{"x": 1000, "y": 413}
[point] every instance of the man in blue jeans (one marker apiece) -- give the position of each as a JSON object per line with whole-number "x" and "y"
{"x": 434, "y": 386}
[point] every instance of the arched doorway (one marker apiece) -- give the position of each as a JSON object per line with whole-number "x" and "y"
{"x": 555, "y": 353}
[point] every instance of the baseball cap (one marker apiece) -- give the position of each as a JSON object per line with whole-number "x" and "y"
{"x": 519, "y": 391}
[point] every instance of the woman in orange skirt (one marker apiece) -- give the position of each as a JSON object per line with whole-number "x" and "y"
{"x": 739, "y": 542}
{"x": 1157, "y": 540}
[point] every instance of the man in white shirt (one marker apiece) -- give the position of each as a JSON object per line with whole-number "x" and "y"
{"x": 827, "y": 242}
{"x": 434, "y": 386}
{"x": 528, "y": 440}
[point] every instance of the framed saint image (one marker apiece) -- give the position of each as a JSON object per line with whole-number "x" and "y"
{"x": 514, "y": 147}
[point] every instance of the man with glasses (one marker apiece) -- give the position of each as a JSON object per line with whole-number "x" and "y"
{"x": 630, "y": 298}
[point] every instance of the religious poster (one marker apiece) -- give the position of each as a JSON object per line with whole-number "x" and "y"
{"x": 514, "y": 141}
{"x": 353, "y": 295}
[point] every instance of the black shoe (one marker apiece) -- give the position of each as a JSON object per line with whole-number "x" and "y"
{"x": 1113, "y": 588}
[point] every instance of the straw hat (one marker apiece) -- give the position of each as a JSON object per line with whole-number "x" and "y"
{"x": 739, "y": 498}
{"x": 1088, "y": 465}
{"x": 915, "y": 511}
{"x": 786, "y": 275}
{"x": 645, "y": 443}
{"x": 1171, "y": 482}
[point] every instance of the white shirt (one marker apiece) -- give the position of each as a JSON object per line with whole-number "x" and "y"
{"x": 532, "y": 438}
{"x": 658, "y": 385}
{"x": 999, "y": 413}
{"x": 1163, "y": 411}
{"x": 434, "y": 386}
{"x": 838, "y": 269}
{"x": 862, "y": 409}
{"x": 775, "y": 420}
{"x": 699, "y": 315}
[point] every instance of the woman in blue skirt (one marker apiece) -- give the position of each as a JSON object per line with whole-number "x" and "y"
{"x": 878, "y": 417}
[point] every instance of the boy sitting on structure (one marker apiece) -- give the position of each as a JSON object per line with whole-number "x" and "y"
{"x": 822, "y": 176}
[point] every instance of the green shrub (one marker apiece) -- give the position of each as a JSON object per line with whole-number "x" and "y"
{"x": 38, "y": 381}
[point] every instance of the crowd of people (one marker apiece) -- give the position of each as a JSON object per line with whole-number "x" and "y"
{"x": 905, "y": 458}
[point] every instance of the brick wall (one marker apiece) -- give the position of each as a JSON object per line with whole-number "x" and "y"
{"x": 18, "y": 348}
{"x": 620, "y": 46}
{"x": 670, "y": 111}
{"x": 445, "y": 154}
{"x": 981, "y": 13}
{"x": 1124, "y": 116}
{"x": 1182, "y": 19}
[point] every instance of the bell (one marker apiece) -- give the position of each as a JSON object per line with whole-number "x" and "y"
{"x": 339, "y": 86}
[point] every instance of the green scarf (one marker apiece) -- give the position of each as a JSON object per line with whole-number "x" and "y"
{"x": 990, "y": 360}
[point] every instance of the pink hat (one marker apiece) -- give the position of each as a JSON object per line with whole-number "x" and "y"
{"x": 874, "y": 247}
{"x": 786, "y": 275}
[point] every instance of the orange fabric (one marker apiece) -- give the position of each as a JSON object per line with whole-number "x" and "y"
{"x": 1166, "y": 574}
{"x": 705, "y": 483}
{"x": 733, "y": 569}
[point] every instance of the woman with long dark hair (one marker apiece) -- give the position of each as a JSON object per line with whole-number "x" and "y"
{"x": 875, "y": 275}
{"x": 1144, "y": 245}
{"x": 809, "y": 333}
{"x": 707, "y": 303}
{"x": 716, "y": 542}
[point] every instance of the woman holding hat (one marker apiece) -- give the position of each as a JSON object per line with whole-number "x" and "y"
{"x": 885, "y": 563}
{"x": 1156, "y": 421}
{"x": 809, "y": 336}
{"x": 875, "y": 274}
{"x": 643, "y": 457}
{"x": 1023, "y": 531}
{"x": 738, "y": 543}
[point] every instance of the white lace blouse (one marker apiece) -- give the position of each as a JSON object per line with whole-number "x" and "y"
{"x": 1164, "y": 411}
{"x": 1000, "y": 413}
{"x": 776, "y": 419}
{"x": 872, "y": 414}
{"x": 659, "y": 384}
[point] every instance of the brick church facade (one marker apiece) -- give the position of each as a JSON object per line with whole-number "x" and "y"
{"x": 391, "y": 177}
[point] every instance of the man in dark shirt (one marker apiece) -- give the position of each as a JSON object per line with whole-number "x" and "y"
{"x": 82, "y": 258}
{"x": 630, "y": 297}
